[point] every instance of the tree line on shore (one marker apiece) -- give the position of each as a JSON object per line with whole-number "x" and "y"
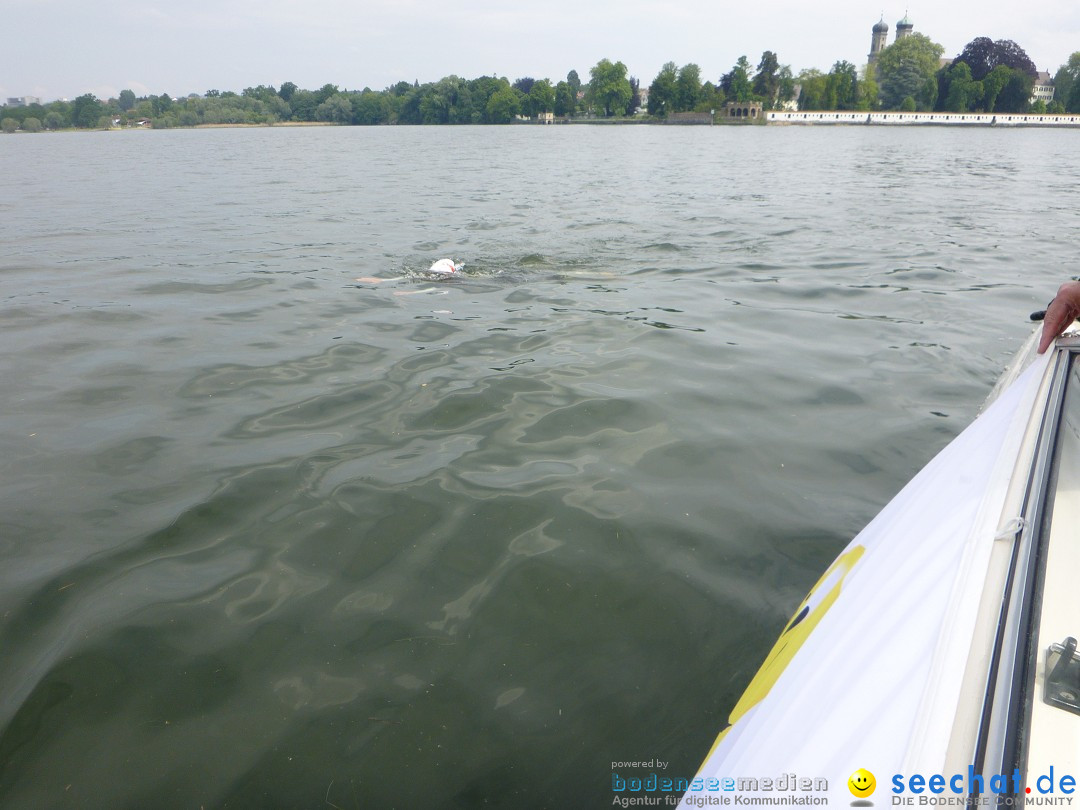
{"x": 987, "y": 76}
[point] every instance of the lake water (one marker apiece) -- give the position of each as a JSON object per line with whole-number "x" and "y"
{"x": 272, "y": 537}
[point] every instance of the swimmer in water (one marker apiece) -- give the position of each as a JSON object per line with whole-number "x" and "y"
{"x": 443, "y": 267}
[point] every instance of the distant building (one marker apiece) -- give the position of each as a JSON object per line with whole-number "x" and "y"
{"x": 744, "y": 110}
{"x": 904, "y": 28}
{"x": 1043, "y": 89}
{"x": 545, "y": 118}
{"x": 792, "y": 104}
{"x": 879, "y": 37}
{"x": 23, "y": 101}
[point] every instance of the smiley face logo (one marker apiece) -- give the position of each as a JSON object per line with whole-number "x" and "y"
{"x": 861, "y": 783}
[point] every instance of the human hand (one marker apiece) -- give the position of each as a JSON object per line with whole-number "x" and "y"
{"x": 1061, "y": 312}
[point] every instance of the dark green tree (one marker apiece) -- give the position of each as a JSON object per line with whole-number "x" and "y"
{"x": 324, "y": 92}
{"x": 447, "y": 101}
{"x": 983, "y": 54}
{"x": 785, "y": 85}
{"x": 688, "y": 88}
{"x": 1015, "y": 96}
{"x": 963, "y": 92}
{"x": 463, "y": 108}
{"x": 869, "y": 93}
{"x": 187, "y": 118}
{"x": 525, "y": 103}
{"x": 609, "y": 87}
{"x": 542, "y": 97}
{"x": 503, "y": 105}
{"x": 434, "y": 105}
{"x": 162, "y": 104}
{"x": 767, "y": 79}
{"x": 928, "y": 96}
{"x": 480, "y": 91}
{"x": 1072, "y": 102}
{"x": 86, "y": 111}
{"x": 370, "y": 108}
{"x": 62, "y": 109}
{"x": 662, "y": 91}
{"x": 264, "y": 93}
{"x": 126, "y": 100}
{"x": 812, "y": 96}
{"x": 634, "y": 104}
{"x": 524, "y": 85}
{"x": 993, "y": 84}
{"x": 574, "y": 81}
{"x": 842, "y": 86}
{"x": 898, "y": 65}
{"x": 304, "y": 104}
{"x": 408, "y": 106}
{"x": 336, "y": 110}
{"x": 565, "y": 100}
{"x": 1066, "y": 76}
{"x": 712, "y": 98}
{"x": 736, "y": 84}
{"x": 905, "y": 81}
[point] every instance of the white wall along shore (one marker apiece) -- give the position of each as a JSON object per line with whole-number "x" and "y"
{"x": 923, "y": 119}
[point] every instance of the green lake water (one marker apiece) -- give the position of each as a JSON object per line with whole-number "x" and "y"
{"x": 274, "y": 538}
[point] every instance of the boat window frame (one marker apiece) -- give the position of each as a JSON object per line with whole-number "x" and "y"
{"x": 1002, "y": 742}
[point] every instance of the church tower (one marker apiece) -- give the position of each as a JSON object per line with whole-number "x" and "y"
{"x": 878, "y": 40}
{"x": 904, "y": 28}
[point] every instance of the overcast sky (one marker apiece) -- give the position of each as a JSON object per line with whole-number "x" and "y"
{"x": 64, "y": 48}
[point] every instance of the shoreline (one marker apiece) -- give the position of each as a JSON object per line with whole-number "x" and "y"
{"x": 828, "y": 118}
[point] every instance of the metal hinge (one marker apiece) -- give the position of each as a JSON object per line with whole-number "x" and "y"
{"x": 1062, "y": 688}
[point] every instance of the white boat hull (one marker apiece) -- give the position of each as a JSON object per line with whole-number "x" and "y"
{"x": 885, "y": 665}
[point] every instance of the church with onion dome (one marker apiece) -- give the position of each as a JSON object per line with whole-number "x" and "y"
{"x": 880, "y": 37}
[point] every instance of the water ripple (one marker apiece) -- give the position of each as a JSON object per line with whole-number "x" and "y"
{"x": 374, "y": 543}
